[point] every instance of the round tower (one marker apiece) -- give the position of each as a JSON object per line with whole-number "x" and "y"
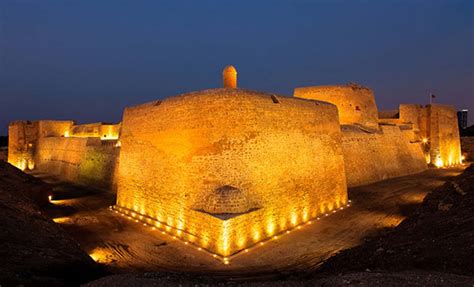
{"x": 229, "y": 76}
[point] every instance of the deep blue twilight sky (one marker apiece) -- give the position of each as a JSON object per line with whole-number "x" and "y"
{"x": 87, "y": 60}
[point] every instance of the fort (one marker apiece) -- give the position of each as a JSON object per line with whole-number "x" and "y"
{"x": 226, "y": 169}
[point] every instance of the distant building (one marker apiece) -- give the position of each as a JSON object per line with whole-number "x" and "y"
{"x": 462, "y": 118}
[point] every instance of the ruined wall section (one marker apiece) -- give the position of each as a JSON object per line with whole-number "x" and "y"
{"x": 436, "y": 127}
{"x": 374, "y": 156}
{"x": 88, "y": 161}
{"x": 24, "y": 136}
{"x": 96, "y": 130}
{"x": 47, "y": 146}
{"x": 355, "y": 104}
{"x": 283, "y": 154}
{"x": 444, "y": 140}
{"x": 418, "y": 116}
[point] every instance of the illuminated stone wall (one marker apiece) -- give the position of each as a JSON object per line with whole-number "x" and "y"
{"x": 374, "y": 156}
{"x": 436, "y": 125}
{"x": 372, "y": 152}
{"x": 278, "y": 159}
{"x": 444, "y": 140}
{"x": 48, "y": 147}
{"x": 356, "y": 104}
{"x": 23, "y": 139}
{"x": 88, "y": 161}
{"x": 96, "y": 130}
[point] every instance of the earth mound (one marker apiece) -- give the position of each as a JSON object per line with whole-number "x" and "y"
{"x": 35, "y": 251}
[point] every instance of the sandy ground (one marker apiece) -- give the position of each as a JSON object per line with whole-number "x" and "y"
{"x": 125, "y": 246}
{"x": 34, "y": 251}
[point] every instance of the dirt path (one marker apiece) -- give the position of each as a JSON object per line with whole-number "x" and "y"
{"x": 126, "y": 246}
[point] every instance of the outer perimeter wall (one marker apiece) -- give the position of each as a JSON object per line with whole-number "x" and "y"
{"x": 355, "y": 103}
{"x": 374, "y": 156}
{"x": 52, "y": 147}
{"x": 88, "y": 161}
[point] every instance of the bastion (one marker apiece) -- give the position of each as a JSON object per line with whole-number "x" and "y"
{"x": 227, "y": 168}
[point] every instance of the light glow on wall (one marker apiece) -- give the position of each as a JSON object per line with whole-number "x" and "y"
{"x": 31, "y": 164}
{"x": 21, "y": 164}
{"x": 194, "y": 240}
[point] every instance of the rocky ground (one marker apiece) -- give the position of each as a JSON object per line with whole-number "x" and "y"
{"x": 34, "y": 251}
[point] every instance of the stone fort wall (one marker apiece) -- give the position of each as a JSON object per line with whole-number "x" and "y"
{"x": 88, "y": 161}
{"x": 372, "y": 152}
{"x": 355, "y": 104}
{"x": 436, "y": 125}
{"x": 281, "y": 156}
{"x": 371, "y": 156}
{"x": 51, "y": 147}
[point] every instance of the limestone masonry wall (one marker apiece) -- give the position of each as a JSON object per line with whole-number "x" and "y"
{"x": 81, "y": 160}
{"x": 445, "y": 144}
{"x": 374, "y": 156}
{"x": 356, "y": 104}
{"x": 436, "y": 125}
{"x": 48, "y": 147}
{"x": 281, "y": 156}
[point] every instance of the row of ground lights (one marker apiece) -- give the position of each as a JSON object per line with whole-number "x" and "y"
{"x": 139, "y": 219}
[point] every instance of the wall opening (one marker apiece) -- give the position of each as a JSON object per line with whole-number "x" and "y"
{"x": 274, "y": 99}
